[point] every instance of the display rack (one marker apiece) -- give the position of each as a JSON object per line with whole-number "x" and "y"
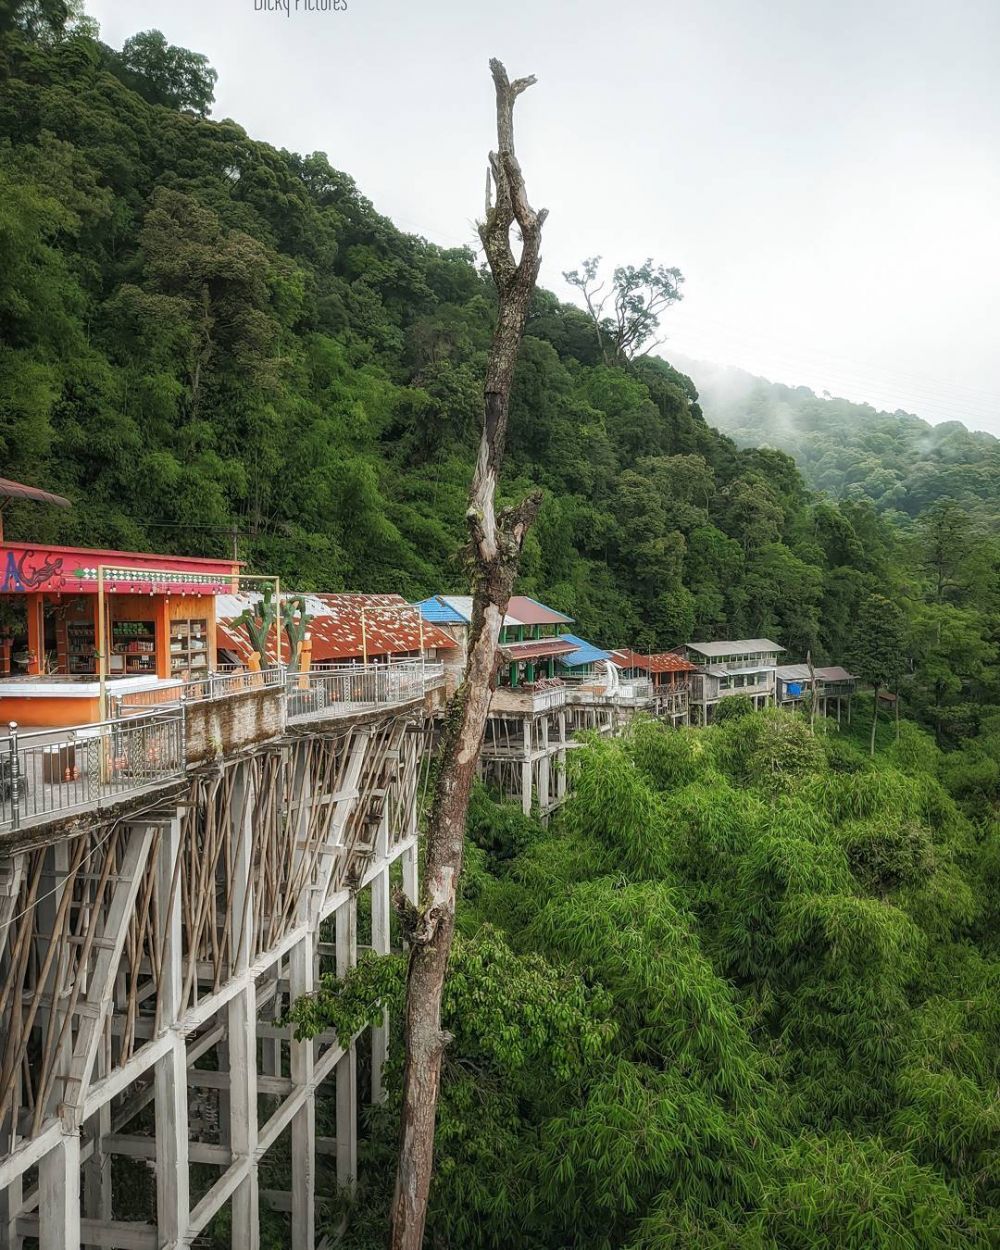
{"x": 135, "y": 642}
{"x": 81, "y": 653}
{"x": 189, "y": 647}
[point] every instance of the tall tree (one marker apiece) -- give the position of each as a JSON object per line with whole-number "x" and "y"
{"x": 626, "y": 314}
{"x": 169, "y": 75}
{"x": 496, "y": 540}
{"x": 877, "y": 651}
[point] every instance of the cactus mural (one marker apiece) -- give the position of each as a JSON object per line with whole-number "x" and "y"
{"x": 295, "y": 619}
{"x": 259, "y": 622}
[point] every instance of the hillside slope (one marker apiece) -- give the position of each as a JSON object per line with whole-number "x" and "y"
{"x": 852, "y": 451}
{"x": 200, "y": 332}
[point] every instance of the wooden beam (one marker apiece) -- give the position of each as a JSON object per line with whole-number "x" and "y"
{"x": 114, "y": 1234}
{"x": 132, "y": 1146}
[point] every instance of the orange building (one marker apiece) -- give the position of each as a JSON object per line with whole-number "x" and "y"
{"x": 159, "y": 624}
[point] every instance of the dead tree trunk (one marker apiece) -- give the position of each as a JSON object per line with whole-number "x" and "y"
{"x": 495, "y": 542}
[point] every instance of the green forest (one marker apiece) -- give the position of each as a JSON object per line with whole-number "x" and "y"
{"x": 852, "y": 451}
{"x": 198, "y": 331}
{"x": 746, "y": 995}
{"x": 745, "y": 992}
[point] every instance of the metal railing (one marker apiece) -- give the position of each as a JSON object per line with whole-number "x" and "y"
{"x": 343, "y": 688}
{"x": 51, "y": 772}
{"x": 48, "y": 772}
{"x": 214, "y": 685}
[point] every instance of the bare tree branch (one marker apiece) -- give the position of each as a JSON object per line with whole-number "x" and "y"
{"x": 495, "y": 543}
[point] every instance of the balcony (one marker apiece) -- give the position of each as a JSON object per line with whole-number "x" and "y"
{"x": 346, "y": 689}
{"x": 527, "y": 700}
{"x": 48, "y": 773}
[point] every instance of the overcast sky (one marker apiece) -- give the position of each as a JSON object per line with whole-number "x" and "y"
{"x": 826, "y": 176}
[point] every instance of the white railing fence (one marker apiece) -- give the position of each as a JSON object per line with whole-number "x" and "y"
{"x": 340, "y": 688}
{"x": 48, "y": 772}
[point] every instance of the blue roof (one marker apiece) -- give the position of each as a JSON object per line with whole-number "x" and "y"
{"x": 435, "y": 611}
{"x": 585, "y": 653}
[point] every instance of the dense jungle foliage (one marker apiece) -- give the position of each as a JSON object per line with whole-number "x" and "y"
{"x": 745, "y": 995}
{"x": 198, "y": 331}
{"x": 852, "y": 451}
{"x": 746, "y": 992}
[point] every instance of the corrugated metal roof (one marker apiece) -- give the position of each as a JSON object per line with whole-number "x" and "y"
{"x": 794, "y": 672}
{"x": 661, "y": 662}
{"x": 462, "y": 604}
{"x": 585, "y": 653}
{"x": 521, "y": 610}
{"x": 335, "y": 627}
{"x": 834, "y": 674}
{"x": 739, "y": 646}
{"x": 746, "y": 670}
{"x": 800, "y": 672}
{"x": 527, "y": 611}
{"x": 536, "y": 648}
{"x": 437, "y": 611}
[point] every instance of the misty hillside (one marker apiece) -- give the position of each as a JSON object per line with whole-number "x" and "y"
{"x": 853, "y": 451}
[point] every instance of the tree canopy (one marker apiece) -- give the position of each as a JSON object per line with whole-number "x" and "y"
{"x": 743, "y": 995}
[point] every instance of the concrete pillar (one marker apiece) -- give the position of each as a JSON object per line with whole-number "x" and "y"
{"x": 97, "y": 1169}
{"x": 561, "y": 759}
{"x": 526, "y": 769}
{"x": 59, "y": 1195}
{"x": 544, "y": 798}
{"x": 380, "y": 945}
{"x": 347, "y": 1066}
{"x": 10, "y": 1202}
{"x": 242, "y": 1012}
{"x": 301, "y": 980}
{"x": 411, "y": 874}
{"x": 172, "y": 1186}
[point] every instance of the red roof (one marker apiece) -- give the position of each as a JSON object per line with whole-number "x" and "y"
{"x": 661, "y": 662}
{"x": 336, "y": 632}
{"x": 531, "y": 612}
{"x": 536, "y": 648}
